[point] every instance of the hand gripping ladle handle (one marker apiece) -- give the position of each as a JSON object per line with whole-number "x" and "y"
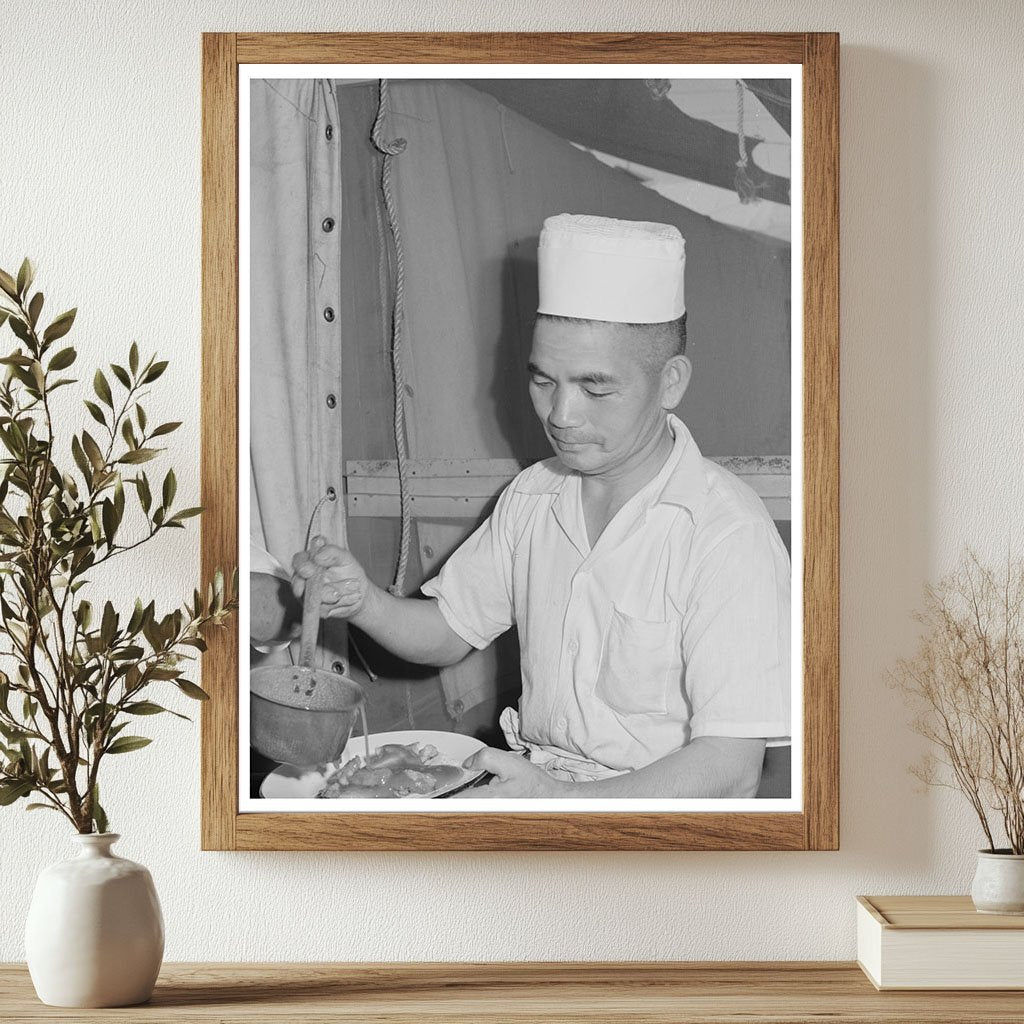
{"x": 310, "y": 618}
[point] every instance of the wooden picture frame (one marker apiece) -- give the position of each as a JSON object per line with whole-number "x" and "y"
{"x": 816, "y": 826}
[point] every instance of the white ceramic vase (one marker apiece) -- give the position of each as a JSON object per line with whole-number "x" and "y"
{"x": 999, "y": 883}
{"x": 95, "y": 933}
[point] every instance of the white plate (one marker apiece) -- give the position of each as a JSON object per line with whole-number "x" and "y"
{"x": 288, "y": 782}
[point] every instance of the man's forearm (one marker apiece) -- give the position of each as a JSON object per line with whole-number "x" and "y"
{"x": 411, "y": 628}
{"x": 710, "y": 766}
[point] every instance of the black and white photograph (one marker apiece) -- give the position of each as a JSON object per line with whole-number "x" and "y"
{"x": 519, "y": 377}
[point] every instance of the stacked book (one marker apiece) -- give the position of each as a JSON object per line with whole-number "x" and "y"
{"x": 908, "y": 942}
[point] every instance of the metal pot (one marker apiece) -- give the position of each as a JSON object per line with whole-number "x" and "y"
{"x": 299, "y": 714}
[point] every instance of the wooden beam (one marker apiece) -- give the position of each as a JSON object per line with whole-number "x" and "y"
{"x": 466, "y": 488}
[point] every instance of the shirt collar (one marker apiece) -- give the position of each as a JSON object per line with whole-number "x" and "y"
{"x": 681, "y": 481}
{"x": 685, "y": 482}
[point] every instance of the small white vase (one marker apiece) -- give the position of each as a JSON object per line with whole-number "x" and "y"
{"x": 95, "y": 933}
{"x": 999, "y": 882}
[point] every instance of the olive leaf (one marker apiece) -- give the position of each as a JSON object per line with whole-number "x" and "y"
{"x": 26, "y": 273}
{"x": 35, "y": 308}
{"x": 59, "y": 327}
{"x": 63, "y": 359}
{"x": 154, "y": 372}
{"x": 191, "y": 690}
{"x": 8, "y": 285}
{"x": 126, "y": 744}
{"x": 102, "y": 388}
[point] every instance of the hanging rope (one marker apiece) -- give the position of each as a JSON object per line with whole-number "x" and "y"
{"x": 389, "y": 151}
{"x": 312, "y": 519}
{"x": 504, "y": 139}
{"x": 746, "y": 187}
{"x": 659, "y": 88}
{"x": 742, "y": 162}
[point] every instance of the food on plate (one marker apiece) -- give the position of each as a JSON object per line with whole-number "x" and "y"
{"x": 393, "y": 770}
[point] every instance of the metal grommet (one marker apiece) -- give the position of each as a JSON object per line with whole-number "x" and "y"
{"x": 329, "y": 314}
{"x": 329, "y": 132}
{"x": 328, "y": 224}
{"x": 332, "y": 494}
{"x": 332, "y": 401}
{"x": 339, "y": 667}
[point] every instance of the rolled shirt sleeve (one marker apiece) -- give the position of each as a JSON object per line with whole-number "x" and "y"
{"x": 474, "y": 587}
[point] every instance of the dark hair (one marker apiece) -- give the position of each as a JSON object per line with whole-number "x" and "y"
{"x": 660, "y": 341}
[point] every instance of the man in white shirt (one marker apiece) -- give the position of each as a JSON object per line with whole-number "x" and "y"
{"x": 649, "y": 586}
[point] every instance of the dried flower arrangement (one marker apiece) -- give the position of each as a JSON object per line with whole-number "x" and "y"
{"x": 967, "y": 680}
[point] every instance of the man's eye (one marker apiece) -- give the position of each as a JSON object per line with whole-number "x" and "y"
{"x": 597, "y": 394}
{"x": 540, "y": 383}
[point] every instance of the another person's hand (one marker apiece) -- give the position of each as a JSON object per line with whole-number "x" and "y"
{"x": 274, "y": 615}
{"x": 514, "y": 777}
{"x": 345, "y": 582}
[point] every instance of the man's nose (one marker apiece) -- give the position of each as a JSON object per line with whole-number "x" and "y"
{"x": 564, "y": 410}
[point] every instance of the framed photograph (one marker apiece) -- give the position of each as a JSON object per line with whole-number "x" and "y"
{"x": 520, "y": 416}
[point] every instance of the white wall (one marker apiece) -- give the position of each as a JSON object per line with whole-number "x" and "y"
{"x": 100, "y": 183}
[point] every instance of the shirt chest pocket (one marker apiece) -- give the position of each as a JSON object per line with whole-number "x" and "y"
{"x": 640, "y": 663}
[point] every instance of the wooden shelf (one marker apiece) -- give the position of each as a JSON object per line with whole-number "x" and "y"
{"x": 525, "y": 994}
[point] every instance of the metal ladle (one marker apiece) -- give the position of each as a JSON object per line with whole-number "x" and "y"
{"x": 300, "y": 714}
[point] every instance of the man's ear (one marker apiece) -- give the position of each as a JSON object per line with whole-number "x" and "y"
{"x": 675, "y": 378}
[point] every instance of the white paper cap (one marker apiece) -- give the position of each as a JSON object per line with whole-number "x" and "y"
{"x": 622, "y": 271}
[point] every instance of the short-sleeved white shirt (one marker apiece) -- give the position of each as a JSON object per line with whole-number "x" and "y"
{"x": 675, "y": 625}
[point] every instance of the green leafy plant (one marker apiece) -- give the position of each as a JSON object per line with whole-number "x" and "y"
{"x": 80, "y": 673}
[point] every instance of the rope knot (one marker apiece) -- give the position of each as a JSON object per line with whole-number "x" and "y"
{"x": 747, "y": 188}
{"x": 395, "y": 146}
{"x": 392, "y": 148}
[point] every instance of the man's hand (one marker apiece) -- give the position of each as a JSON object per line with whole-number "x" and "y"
{"x": 514, "y": 777}
{"x": 413, "y": 629}
{"x": 345, "y": 582}
{"x": 710, "y": 766}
